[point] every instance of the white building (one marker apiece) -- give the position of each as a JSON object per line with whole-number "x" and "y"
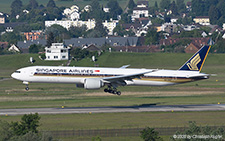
{"x": 110, "y": 25}
{"x": 139, "y": 12}
{"x": 68, "y": 23}
{"x": 224, "y": 26}
{"x": 57, "y": 52}
{"x": 202, "y": 20}
{"x": 90, "y": 24}
{"x": 72, "y": 13}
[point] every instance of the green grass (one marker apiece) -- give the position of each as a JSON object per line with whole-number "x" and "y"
{"x": 126, "y": 120}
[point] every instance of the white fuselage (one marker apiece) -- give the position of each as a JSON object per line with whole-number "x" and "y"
{"x": 77, "y": 75}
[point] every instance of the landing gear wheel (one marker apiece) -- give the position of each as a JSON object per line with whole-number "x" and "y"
{"x": 112, "y": 90}
{"x": 118, "y": 93}
{"x": 27, "y": 88}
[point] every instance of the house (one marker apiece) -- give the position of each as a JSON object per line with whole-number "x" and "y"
{"x": 174, "y": 19}
{"x": 92, "y": 48}
{"x": 202, "y": 20}
{"x": 196, "y": 41}
{"x": 34, "y": 35}
{"x": 98, "y": 42}
{"x": 24, "y": 45}
{"x": 72, "y": 13}
{"x": 188, "y": 6}
{"x": 106, "y": 9}
{"x": 2, "y": 19}
{"x": 87, "y": 8}
{"x": 215, "y": 28}
{"x": 4, "y": 45}
{"x": 169, "y": 27}
{"x": 90, "y": 24}
{"x": 192, "y": 48}
{"x": 139, "y": 12}
{"x": 58, "y": 51}
{"x": 152, "y": 48}
{"x": 110, "y": 25}
{"x": 14, "y": 48}
{"x": 223, "y": 36}
{"x": 142, "y": 4}
{"x": 189, "y": 27}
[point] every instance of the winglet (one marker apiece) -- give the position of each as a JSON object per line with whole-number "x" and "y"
{"x": 124, "y": 67}
{"x": 196, "y": 62}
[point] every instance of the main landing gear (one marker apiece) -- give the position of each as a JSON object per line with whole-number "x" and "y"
{"x": 112, "y": 90}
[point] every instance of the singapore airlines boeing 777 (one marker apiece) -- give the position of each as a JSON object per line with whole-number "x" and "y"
{"x": 97, "y": 77}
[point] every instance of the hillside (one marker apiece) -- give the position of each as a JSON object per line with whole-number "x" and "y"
{"x": 214, "y": 63}
{"x": 5, "y": 5}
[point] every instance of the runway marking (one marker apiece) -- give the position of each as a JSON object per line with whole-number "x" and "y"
{"x": 116, "y": 109}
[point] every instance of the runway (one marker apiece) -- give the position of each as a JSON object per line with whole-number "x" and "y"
{"x": 142, "y": 108}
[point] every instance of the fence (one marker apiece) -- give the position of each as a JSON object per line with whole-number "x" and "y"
{"x": 113, "y": 132}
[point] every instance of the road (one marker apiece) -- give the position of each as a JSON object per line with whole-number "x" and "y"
{"x": 143, "y": 108}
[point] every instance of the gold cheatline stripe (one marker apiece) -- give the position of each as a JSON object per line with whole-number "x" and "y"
{"x": 178, "y": 80}
{"x": 204, "y": 58}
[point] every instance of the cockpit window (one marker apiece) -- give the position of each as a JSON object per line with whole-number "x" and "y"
{"x": 17, "y": 72}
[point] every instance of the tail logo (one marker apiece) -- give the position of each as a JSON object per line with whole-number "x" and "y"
{"x": 194, "y": 62}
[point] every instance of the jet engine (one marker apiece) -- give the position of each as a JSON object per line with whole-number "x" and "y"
{"x": 93, "y": 83}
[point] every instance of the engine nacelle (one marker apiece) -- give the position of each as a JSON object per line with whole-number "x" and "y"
{"x": 93, "y": 83}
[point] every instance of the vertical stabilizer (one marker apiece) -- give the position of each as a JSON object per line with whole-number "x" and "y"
{"x": 196, "y": 62}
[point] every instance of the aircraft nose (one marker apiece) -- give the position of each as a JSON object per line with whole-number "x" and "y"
{"x": 13, "y": 75}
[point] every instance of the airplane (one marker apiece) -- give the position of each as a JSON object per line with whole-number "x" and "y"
{"x": 97, "y": 77}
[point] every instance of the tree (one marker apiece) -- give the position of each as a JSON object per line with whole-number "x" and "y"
{"x": 51, "y": 4}
{"x": 28, "y": 123}
{"x": 16, "y": 8}
{"x": 115, "y": 8}
{"x": 180, "y": 5}
{"x": 5, "y": 132}
{"x": 152, "y": 37}
{"x": 96, "y": 11}
{"x": 156, "y": 4}
{"x": 33, "y": 49}
{"x": 10, "y": 37}
{"x": 50, "y": 39}
{"x": 59, "y": 32}
{"x": 99, "y": 30}
{"x": 173, "y": 8}
{"x": 165, "y": 4}
{"x": 131, "y": 4}
{"x": 214, "y": 14}
{"x": 76, "y": 32}
{"x": 32, "y": 5}
{"x": 193, "y": 129}
{"x": 125, "y": 18}
{"x": 149, "y": 134}
{"x": 221, "y": 7}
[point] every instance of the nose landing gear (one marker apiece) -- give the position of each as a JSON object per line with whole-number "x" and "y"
{"x": 27, "y": 88}
{"x": 26, "y": 83}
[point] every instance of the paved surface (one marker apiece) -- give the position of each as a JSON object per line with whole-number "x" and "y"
{"x": 143, "y": 108}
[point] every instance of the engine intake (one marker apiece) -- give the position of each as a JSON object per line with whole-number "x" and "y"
{"x": 93, "y": 83}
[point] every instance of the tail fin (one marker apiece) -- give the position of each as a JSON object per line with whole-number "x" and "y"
{"x": 196, "y": 62}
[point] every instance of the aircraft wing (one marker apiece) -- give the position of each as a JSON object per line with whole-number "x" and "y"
{"x": 121, "y": 78}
